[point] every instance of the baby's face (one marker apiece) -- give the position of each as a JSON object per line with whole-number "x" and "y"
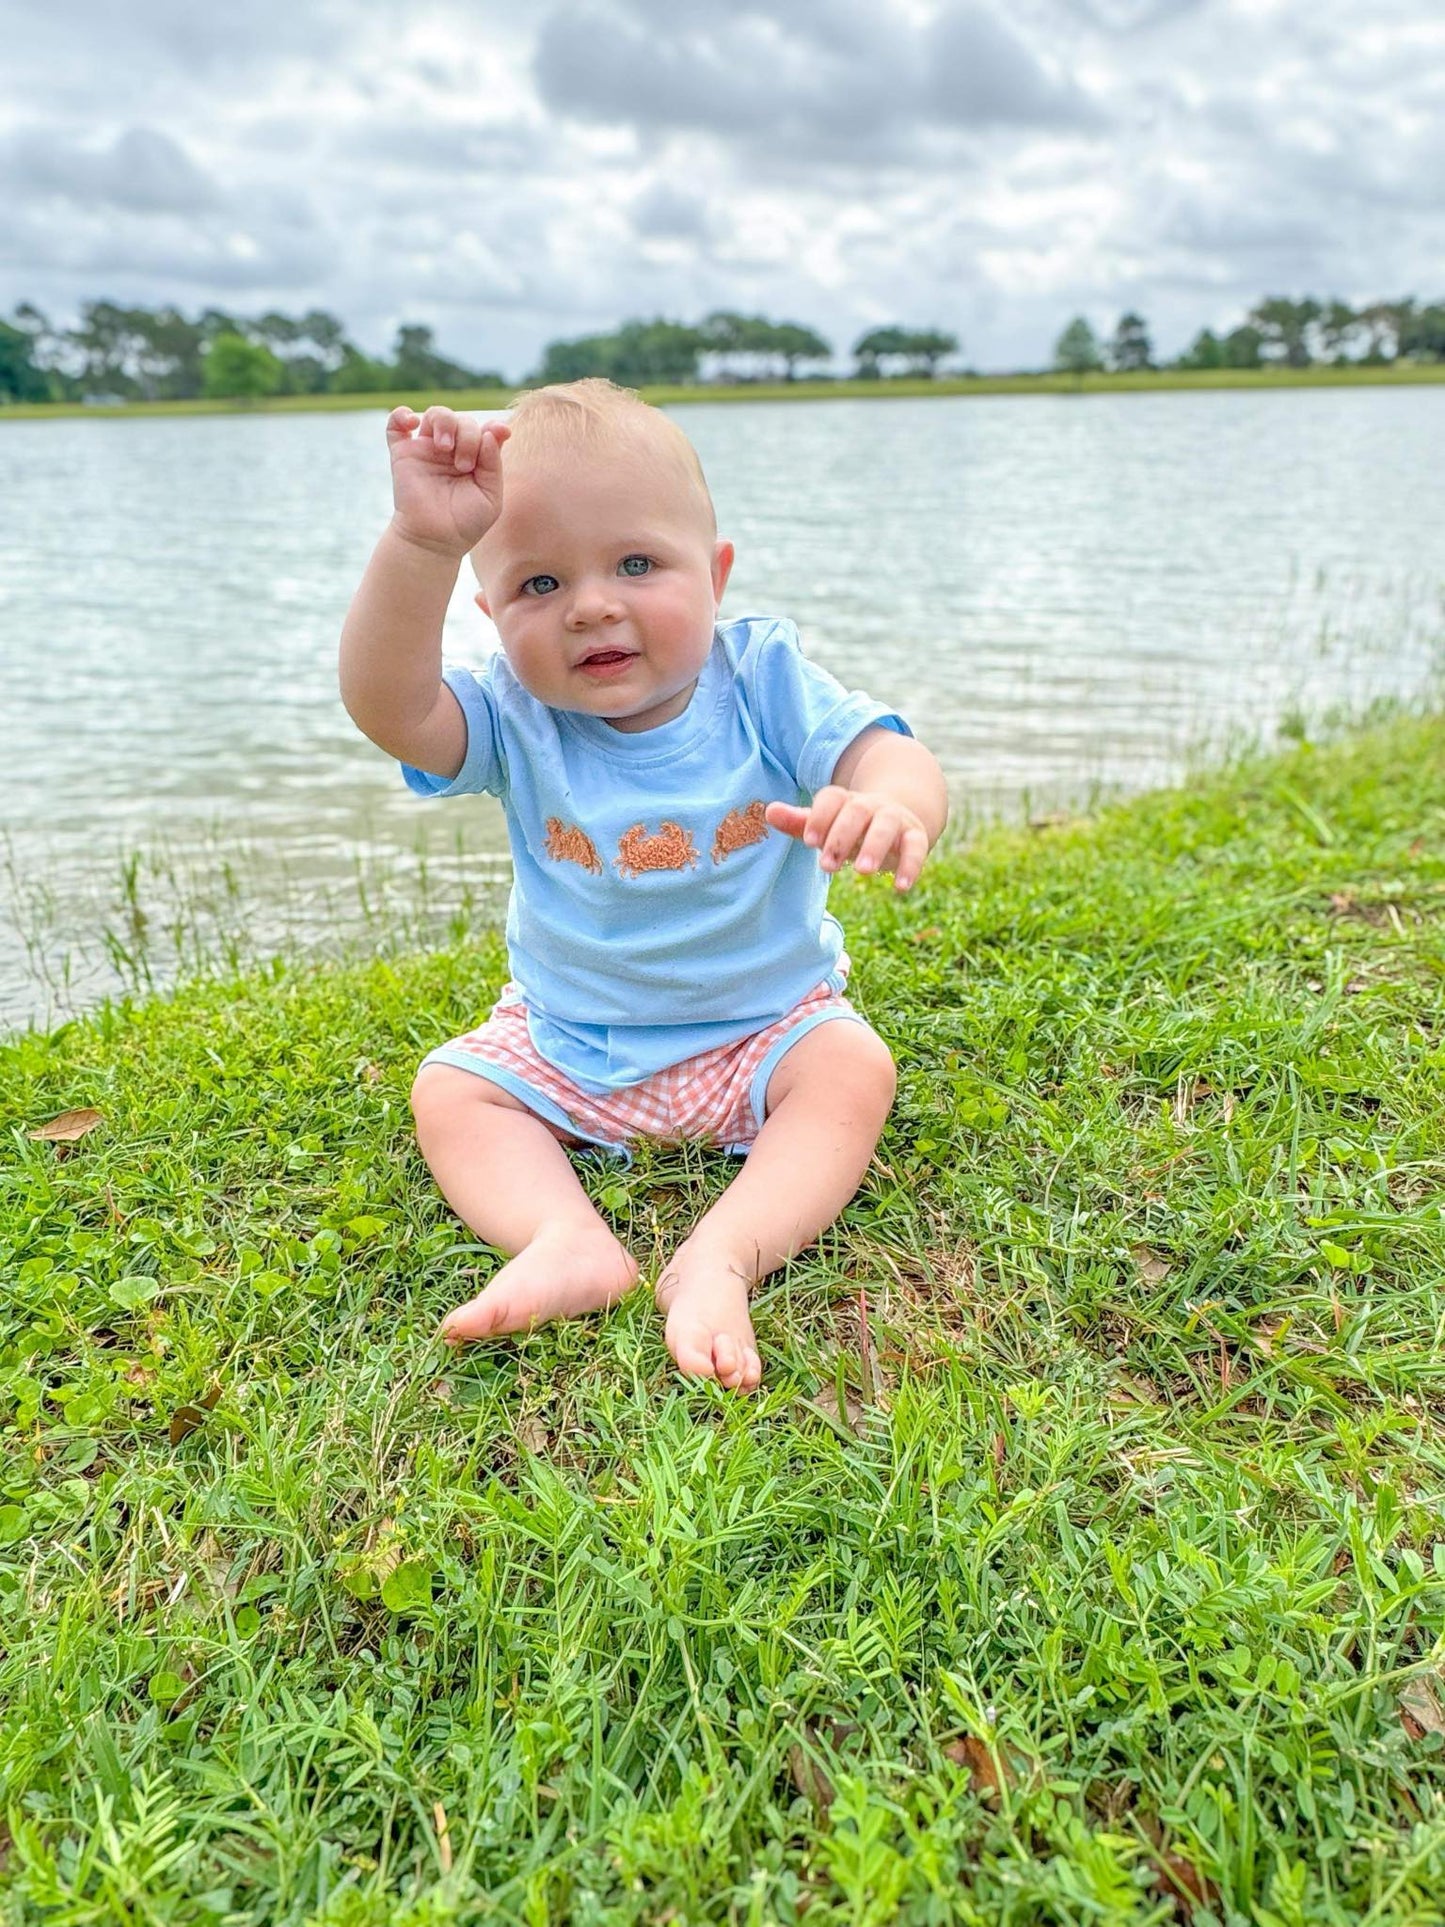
{"x": 603, "y": 577}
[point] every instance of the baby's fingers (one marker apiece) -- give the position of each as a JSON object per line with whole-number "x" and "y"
{"x": 880, "y": 842}
{"x": 401, "y": 424}
{"x": 439, "y": 425}
{"x": 912, "y": 850}
{"x": 468, "y": 444}
{"x": 849, "y": 827}
{"x": 790, "y": 818}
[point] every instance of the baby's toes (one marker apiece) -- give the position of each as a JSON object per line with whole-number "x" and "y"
{"x": 692, "y": 1349}
{"x": 738, "y": 1365}
{"x": 728, "y": 1358}
{"x": 478, "y": 1318}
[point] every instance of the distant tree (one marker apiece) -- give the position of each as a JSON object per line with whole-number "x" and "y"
{"x": 1284, "y": 326}
{"x": 638, "y": 354}
{"x": 575, "y": 360}
{"x": 791, "y": 342}
{"x": 20, "y": 379}
{"x": 168, "y": 360}
{"x": 418, "y": 365}
{"x": 241, "y": 370}
{"x": 46, "y": 351}
{"x": 726, "y": 334}
{"x": 1337, "y": 326}
{"x": 926, "y": 348}
{"x": 1385, "y": 322}
{"x": 1422, "y": 336}
{"x": 1205, "y": 351}
{"x": 1131, "y": 348}
{"x": 871, "y": 350}
{"x": 1243, "y": 347}
{"x": 656, "y": 351}
{"x": 104, "y": 345}
{"x": 1077, "y": 352}
{"x": 358, "y": 374}
{"x": 749, "y": 347}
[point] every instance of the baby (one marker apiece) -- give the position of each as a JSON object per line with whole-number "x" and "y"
{"x": 676, "y": 793}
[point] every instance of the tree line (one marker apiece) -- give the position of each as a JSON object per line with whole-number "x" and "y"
{"x": 158, "y": 354}
{"x": 118, "y": 353}
{"x": 1278, "y": 332}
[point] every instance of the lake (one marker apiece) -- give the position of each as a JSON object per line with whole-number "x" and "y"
{"x": 1066, "y": 595}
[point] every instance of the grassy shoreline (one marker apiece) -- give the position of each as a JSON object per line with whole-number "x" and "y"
{"x": 1082, "y": 1559}
{"x": 1387, "y": 375}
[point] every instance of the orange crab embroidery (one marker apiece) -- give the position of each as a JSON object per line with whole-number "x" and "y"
{"x": 738, "y": 829}
{"x": 671, "y": 849}
{"x": 567, "y": 844}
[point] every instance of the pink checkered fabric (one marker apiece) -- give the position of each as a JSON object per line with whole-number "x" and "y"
{"x": 707, "y": 1097}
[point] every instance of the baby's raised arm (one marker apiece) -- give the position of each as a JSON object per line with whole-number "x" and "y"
{"x": 446, "y": 480}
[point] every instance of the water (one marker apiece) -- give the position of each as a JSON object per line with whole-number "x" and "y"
{"x": 1065, "y": 594}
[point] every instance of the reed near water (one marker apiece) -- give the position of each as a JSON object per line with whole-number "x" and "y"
{"x": 1082, "y": 1558}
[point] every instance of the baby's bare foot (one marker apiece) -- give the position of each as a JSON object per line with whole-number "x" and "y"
{"x": 565, "y": 1271}
{"x": 708, "y": 1331}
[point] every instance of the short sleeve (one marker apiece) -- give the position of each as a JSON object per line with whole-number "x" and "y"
{"x": 803, "y": 715}
{"x": 484, "y": 767}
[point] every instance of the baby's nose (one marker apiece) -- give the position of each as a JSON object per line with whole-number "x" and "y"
{"x": 592, "y": 602}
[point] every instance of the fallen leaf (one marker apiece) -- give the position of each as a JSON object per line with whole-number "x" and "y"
{"x": 826, "y": 1400}
{"x": 1420, "y": 1710}
{"x": 1185, "y": 1885}
{"x": 988, "y": 1771}
{"x": 1000, "y": 1449}
{"x": 807, "y": 1775}
{"x": 69, "y": 1126}
{"x": 1152, "y": 1266}
{"x": 1050, "y": 820}
{"x": 809, "y": 1778}
{"x": 190, "y": 1418}
{"x": 1175, "y": 1875}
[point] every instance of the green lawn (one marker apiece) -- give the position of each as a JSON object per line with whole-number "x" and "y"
{"x": 1082, "y": 1559}
{"x": 1351, "y": 375}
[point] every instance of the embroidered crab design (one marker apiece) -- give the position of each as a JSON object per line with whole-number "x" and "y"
{"x": 568, "y": 844}
{"x": 671, "y": 849}
{"x": 738, "y": 829}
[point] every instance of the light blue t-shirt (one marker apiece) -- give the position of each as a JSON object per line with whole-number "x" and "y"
{"x": 653, "y": 913}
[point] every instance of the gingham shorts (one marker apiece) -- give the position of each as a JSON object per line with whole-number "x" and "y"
{"x": 718, "y": 1096}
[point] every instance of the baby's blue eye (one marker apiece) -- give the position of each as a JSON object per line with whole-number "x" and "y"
{"x": 635, "y": 565}
{"x": 540, "y": 585}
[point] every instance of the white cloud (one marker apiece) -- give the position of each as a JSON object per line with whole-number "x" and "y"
{"x": 512, "y": 175}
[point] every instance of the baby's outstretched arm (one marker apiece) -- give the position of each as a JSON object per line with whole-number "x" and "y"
{"x": 884, "y": 809}
{"x": 446, "y": 472}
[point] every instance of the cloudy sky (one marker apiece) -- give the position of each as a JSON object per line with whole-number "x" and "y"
{"x": 509, "y": 174}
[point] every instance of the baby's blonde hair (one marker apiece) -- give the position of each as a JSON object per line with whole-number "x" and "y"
{"x": 592, "y": 413}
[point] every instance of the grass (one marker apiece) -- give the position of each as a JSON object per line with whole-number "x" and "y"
{"x": 1321, "y": 375}
{"x": 1082, "y": 1559}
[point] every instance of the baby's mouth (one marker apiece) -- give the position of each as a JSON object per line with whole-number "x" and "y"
{"x": 602, "y": 662}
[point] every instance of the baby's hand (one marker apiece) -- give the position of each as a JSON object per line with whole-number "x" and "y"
{"x": 872, "y": 831}
{"x": 446, "y": 477}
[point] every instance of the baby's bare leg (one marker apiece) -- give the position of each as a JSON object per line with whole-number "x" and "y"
{"x": 827, "y": 1102}
{"x": 504, "y": 1173}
